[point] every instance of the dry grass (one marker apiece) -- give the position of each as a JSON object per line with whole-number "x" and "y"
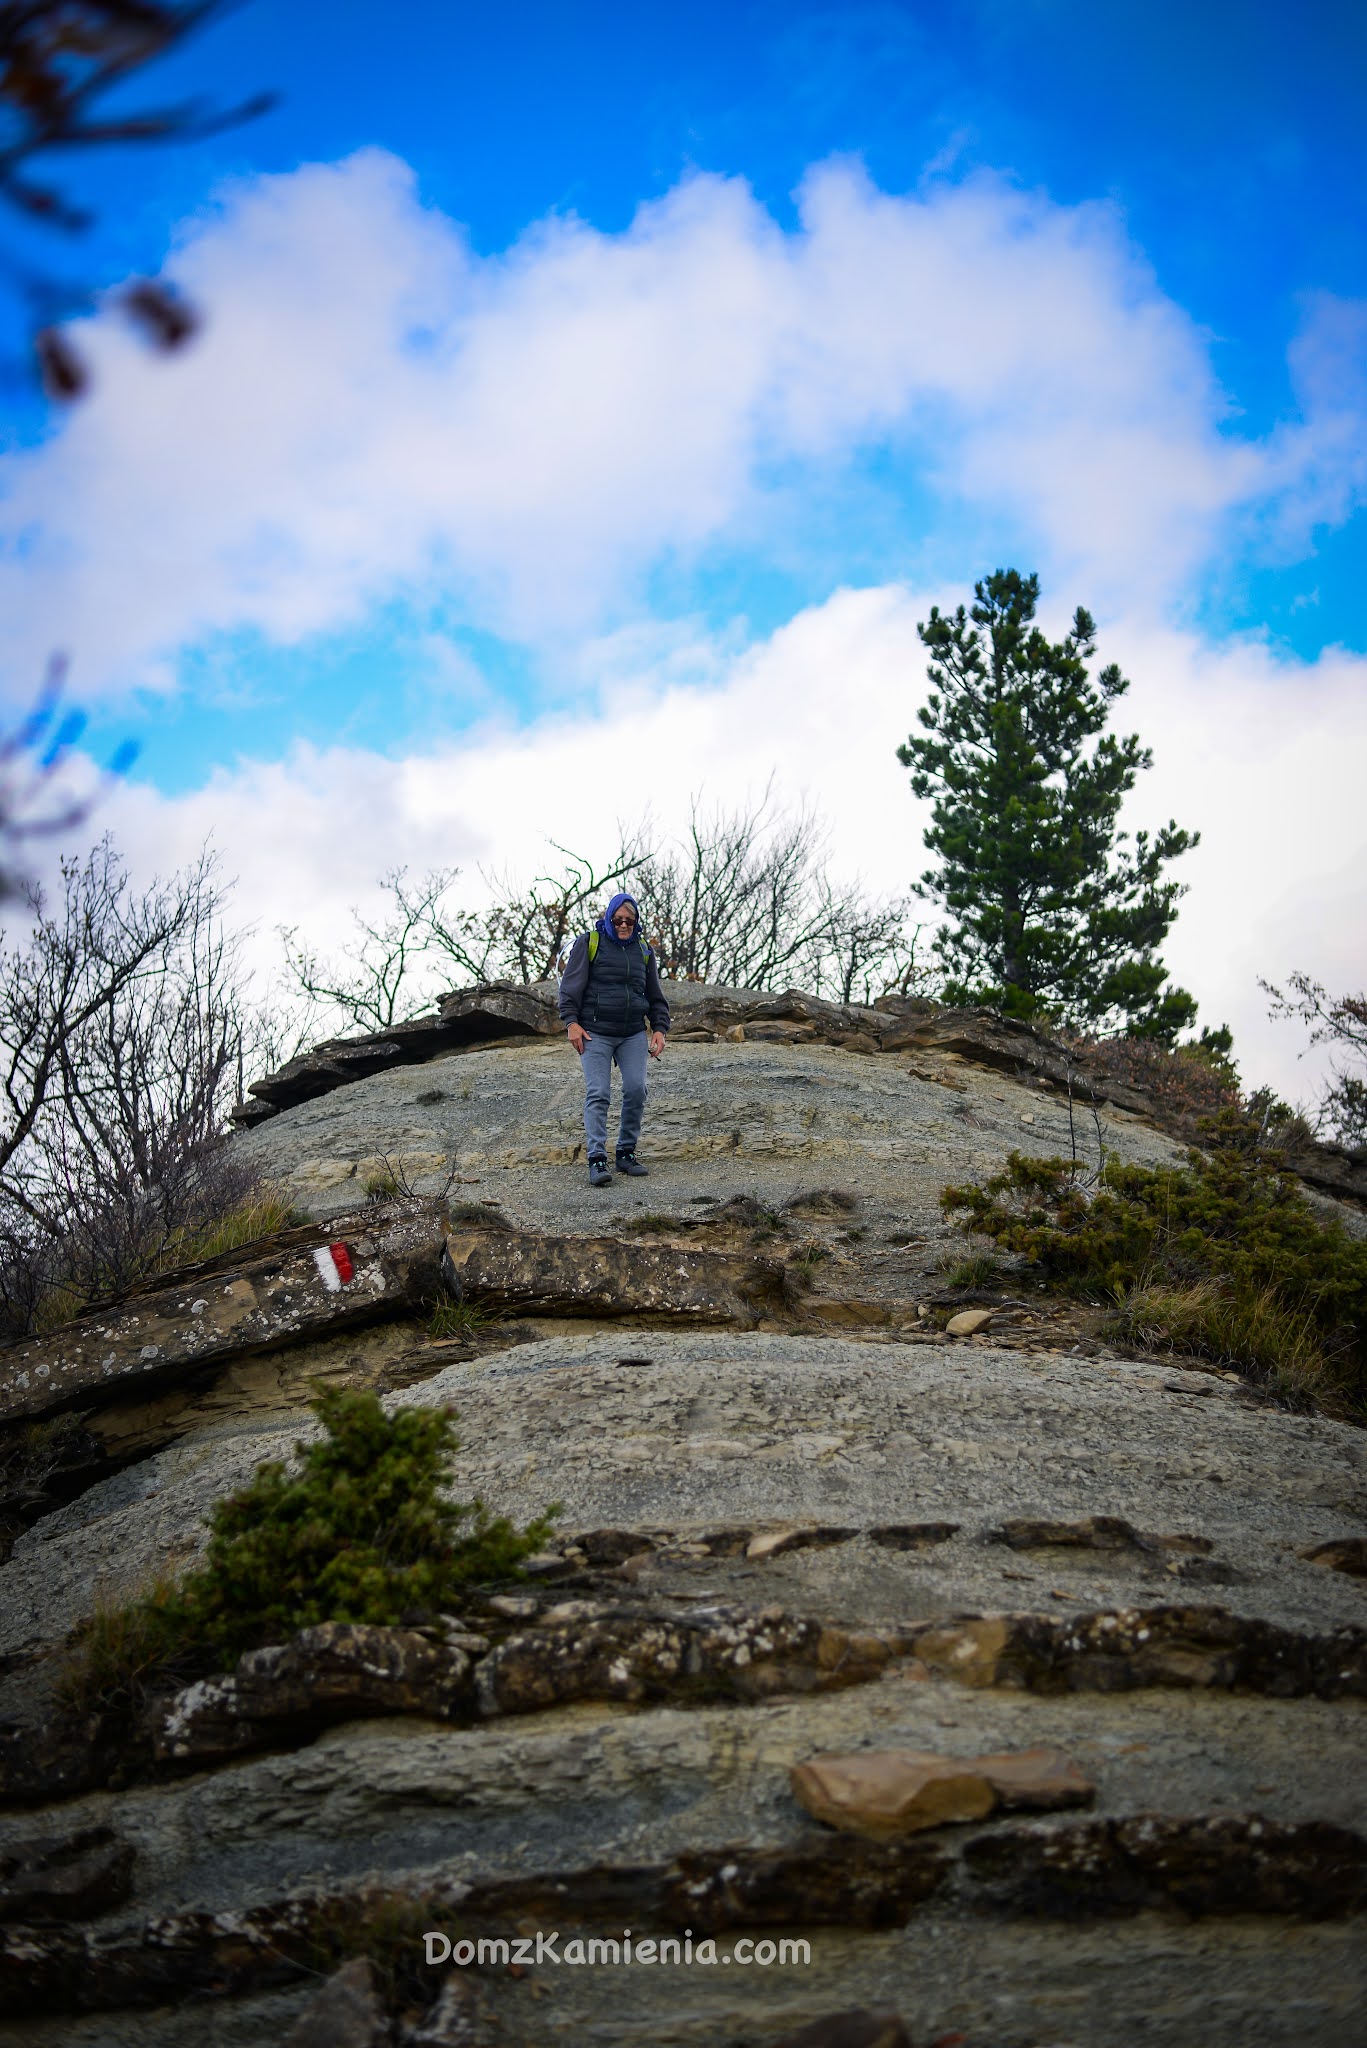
{"x": 452, "y": 1318}
{"x": 1277, "y": 1346}
{"x": 59, "y": 1305}
{"x": 120, "y": 1653}
{"x": 484, "y": 1215}
{"x": 260, "y": 1214}
{"x": 979, "y": 1269}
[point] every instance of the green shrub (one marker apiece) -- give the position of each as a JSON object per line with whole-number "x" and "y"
{"x": 358, "y": 1530}
{"x": 1277, "y": 1290}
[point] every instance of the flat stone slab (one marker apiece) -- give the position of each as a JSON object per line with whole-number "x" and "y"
{"x": 340, "y": 1671}
{"x": 477, "y": 1016}
{"x": 766, "y": 1119}
{"x": 1235, "y": 1864}
{"x": 580, "y": 1792}
{"x": 888, "y": 1793}
{"x": 358, "y": 1269}
{"x": 599, "y": 1276}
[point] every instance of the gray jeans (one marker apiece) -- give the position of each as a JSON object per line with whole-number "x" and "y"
{"x": 596, "y": 1060}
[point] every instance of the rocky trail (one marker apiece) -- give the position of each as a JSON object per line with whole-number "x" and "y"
{"x": 1018, "y": 1674}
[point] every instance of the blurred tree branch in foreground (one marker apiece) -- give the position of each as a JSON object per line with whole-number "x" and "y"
{"x": 36, "y": 800}
{"x": 58, "y": 61}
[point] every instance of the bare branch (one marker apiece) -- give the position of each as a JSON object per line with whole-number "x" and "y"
{"x": 123, "y": 1032}
{"x": 58, "y": 58}
{"x": 747, "y": 899}
{"x": 379, "y": 983}
{"x": 1339, "y": 1021}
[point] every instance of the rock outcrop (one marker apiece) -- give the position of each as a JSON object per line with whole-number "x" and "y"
{"x": 910, "y": 1661}
{"x": 363, "y": 1269}
{"x": 503, "y": 1012}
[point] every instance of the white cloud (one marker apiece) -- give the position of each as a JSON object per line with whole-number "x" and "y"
{"x": 1261, "y": 754}
{"x": 1325, "y": 460}
{"x": 375, "y": 409}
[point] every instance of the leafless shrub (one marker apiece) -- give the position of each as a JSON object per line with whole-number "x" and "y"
{"x": 37, "y": 800}
{"x": 746, "y": 898}
{"x": 123, "y": 1029}
{"x": 390, "y": 1178}
{"x": 376, "y": 984}
{"x": 423, "y": 944}
{"x": 1180, "y": 1080}
{"x": 524, "y": 933}
{"x": 1340, "y": 1021}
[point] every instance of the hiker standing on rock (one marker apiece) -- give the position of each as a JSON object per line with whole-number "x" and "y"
{"x": 609, "y": 992}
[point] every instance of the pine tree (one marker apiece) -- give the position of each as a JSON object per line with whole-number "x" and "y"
{"x": 1055, "y": 911}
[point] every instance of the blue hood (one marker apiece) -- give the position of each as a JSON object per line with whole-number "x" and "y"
{"x": 604, "y": 924}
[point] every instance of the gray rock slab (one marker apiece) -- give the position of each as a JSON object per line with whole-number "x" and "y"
{"x": 760, "y": 1119}
{"x": 735, "y": 1426}
{"x": 1152, "y": 1978}
{"x": 578, "y": 1275}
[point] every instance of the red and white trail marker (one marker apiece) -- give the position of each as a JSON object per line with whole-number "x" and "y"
{"x": 335, "y": 1269}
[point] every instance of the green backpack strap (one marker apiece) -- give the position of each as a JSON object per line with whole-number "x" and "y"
{"x": 593, "y": 947}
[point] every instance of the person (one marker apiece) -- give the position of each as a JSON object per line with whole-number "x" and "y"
{"x": 610, "y": 991}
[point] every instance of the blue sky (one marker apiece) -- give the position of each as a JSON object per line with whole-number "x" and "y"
{"x": 561, "y": 359}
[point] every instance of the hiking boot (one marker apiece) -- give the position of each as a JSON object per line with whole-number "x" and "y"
{"x": 627, "y": 1162}
{"x": 599, "y": 1177}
